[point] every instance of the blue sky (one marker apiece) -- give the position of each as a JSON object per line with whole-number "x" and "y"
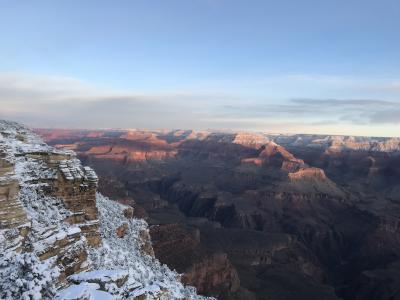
{"x": 282, "y": 66}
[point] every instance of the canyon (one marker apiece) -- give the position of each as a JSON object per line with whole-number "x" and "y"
{"x": 257, "y": 215}
{"x": 61, "y": 239}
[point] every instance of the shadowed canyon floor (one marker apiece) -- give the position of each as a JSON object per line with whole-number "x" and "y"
{"x": 258, "y": 216}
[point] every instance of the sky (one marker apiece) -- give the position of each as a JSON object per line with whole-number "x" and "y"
{"x": 288, "y": 66}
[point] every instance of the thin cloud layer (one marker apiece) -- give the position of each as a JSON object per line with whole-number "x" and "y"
{"x": 45, "y": 101}
{"x": 323, "y": 111}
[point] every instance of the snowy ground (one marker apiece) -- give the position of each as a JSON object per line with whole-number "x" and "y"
{"x": 119, "y": 268}
{"x": 145, "y": 273}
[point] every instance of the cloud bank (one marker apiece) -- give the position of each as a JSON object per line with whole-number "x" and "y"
{"x": 52, "y": 101}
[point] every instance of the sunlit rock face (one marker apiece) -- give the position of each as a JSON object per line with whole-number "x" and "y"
{"x": 318, "y": 213}
{"x": 337, "y": 143}
{"x": 60, "y": 238}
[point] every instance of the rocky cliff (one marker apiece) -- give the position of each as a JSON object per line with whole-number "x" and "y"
{"x": 60, "y": 239}
{"x": 294, "y": 216}
{"x": 337, "y": 143}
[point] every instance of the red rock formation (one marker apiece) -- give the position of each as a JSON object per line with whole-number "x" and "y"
{"x": 248, "y": 139}
{"x": 308, "y": 174}
{"x": 273, "y": 155}
{"x": 342, "y": 211}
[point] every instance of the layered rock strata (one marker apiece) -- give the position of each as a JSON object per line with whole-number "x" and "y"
{"x": 31, "y": 170}
{"x": 55, "y": 243}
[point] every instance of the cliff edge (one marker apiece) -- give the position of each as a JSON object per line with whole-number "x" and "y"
{"x": 60, "y": 239}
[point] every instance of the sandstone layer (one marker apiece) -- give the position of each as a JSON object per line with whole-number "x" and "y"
{"x": 61, "y": 239}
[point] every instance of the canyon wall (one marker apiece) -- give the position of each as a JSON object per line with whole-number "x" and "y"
{"x": 61, "y": 239}
{"x": 316, "y": 213}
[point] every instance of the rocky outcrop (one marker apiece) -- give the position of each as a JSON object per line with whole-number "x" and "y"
{"x": 291, "y": 212}
{"x": 36, "y": 170}
{"x": 121, "y": 230}
{"x": 176, "y": 246}
{"x": 253, "y": 140}
{"x": 32, "y": 169}
{"x": 337, "y": 143}
{"x": 129, "y": 212}
{"x": 180, "y": 248}
{"x": 128, "y": 153}
{"x": 12, "y": 214}
{"x": 274, "y": 155}
{"x": 102, "y": 277}
{"x": 54, "y": 243}
{"x": 215, "y": 275}
{"x": 308, "y": 174}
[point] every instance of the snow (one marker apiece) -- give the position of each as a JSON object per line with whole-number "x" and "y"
{"x": 146, "y": 273}
{"x": 116, "y": 261}
{"x": 73, "y": 230}
{"x": 151, "y": 289}
{"x": 100, "y": 275}
{"x": 23, "y": 276}
{"x": 84, "y": 291}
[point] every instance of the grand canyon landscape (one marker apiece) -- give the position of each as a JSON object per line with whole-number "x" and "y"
{"x": 258, "y": 216}
{"x": 200, "y": 150}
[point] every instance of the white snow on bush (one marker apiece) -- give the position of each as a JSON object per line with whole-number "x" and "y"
{"x": 118, "y": 268}
{"x": 146, "y": 273}
{"x": 23, "y": 276}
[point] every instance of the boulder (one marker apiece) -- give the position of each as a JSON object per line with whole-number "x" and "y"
{"x": 121, "y": 230}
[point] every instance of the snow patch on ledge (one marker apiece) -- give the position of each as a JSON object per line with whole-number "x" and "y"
{"x": 84, "y": 291}
{"x": 118, "y": 269}
{"x": 103, "y": 276}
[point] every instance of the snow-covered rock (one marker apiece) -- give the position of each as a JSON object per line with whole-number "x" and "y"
{"x": 101, "y": 277}
{"x": 58, "y": 237}
{"x": 84, "y": 291}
